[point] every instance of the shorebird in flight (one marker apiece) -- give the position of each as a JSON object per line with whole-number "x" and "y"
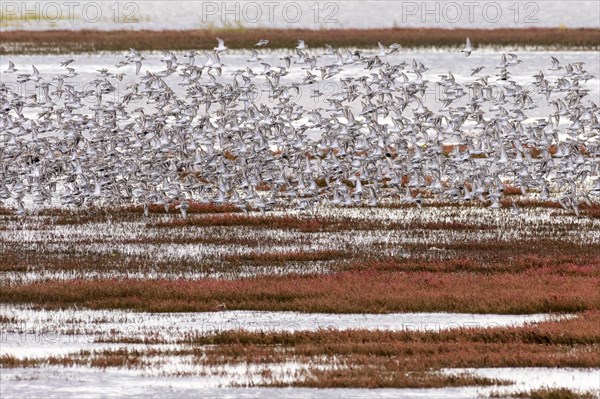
{"x": 339, "y": 127}
{"x": 468, "y": 48}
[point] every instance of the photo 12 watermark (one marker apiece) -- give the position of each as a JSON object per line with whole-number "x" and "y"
{"x": 328, "y": 13}
{"x": 468, "y": 12}
{"x": 269, "y": 12}
{"x": 208, "y": 13}
{"x": 56, "y": 12}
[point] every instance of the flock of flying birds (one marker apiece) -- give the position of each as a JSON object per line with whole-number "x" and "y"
{"x": 209, "y": 138}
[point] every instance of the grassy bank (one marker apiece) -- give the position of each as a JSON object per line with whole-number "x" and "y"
{"x": 64, "y": 41}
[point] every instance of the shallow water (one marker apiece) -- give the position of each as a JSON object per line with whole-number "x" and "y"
{"x": 55, "y": 332}
{"x": 528, "y": 378}
{"x": 55, "y": 382}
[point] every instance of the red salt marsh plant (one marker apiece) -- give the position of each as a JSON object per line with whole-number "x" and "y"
{"x": 60, "y": 216}
{"x": 488, "y": 261}
{"x": 369, "y": 291}
{"x": 548, "y": 393}
{"x": 591, "y": 211}
{"x": 381, "y": 374}
{"x": 581, "y": 330}
{"x": 312, "y": 224}
{"x": 274, "y": 222}
{"x": 282, "y": 257}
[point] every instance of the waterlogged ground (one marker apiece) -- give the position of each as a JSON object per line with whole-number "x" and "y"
{"x": 164, "y": 246}
{"x": 443, "y": 300}
{"x": 31, "y": 332}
